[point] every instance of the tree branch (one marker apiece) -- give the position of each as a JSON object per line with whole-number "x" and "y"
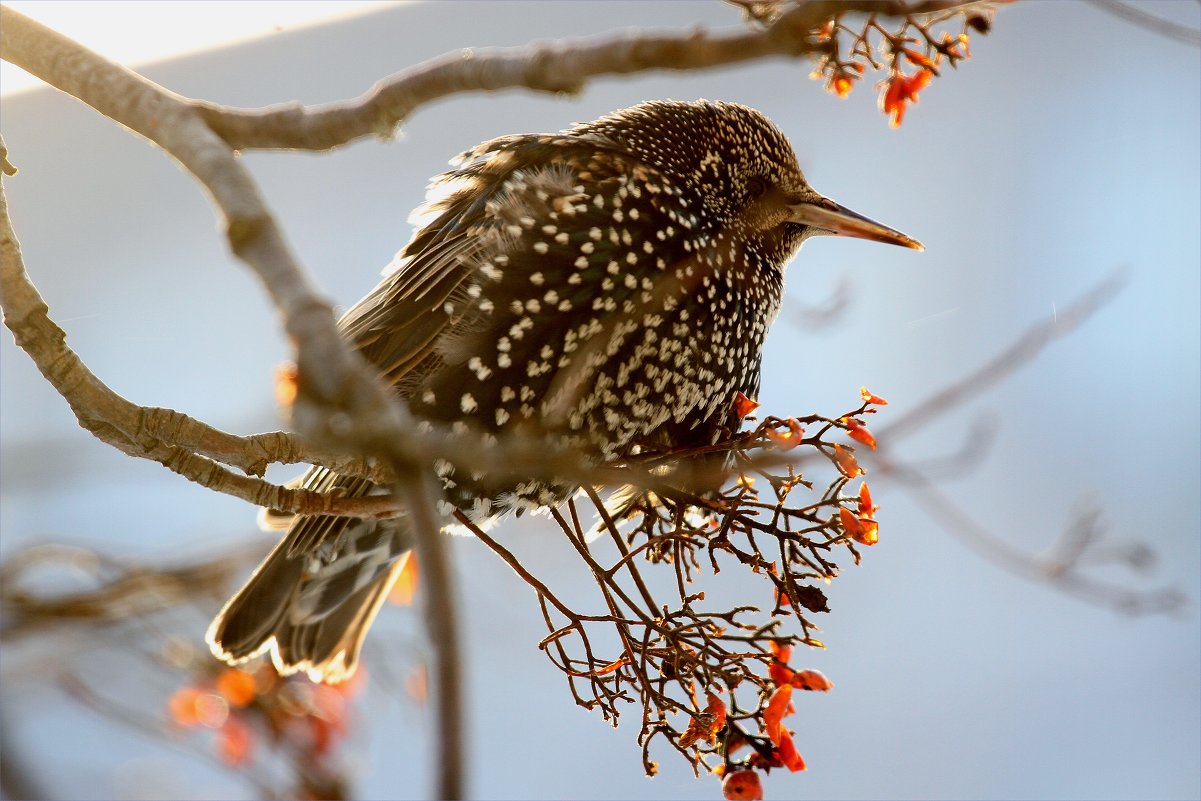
{"x": 1018, "y": 354}
{"x": 1151, "y": 22}
{"x": 341, "y": 405}
{"x": 333, "y": 379}
{"x": 442, "y": 625}
{"x": 560, "y": 67}
{"x": 180, "y": 443}
{"x": 339, "y": 398}
{"x": 1061, "y": 573}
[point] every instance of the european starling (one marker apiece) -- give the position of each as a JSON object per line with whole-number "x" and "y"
{"x": 611, "y": 284}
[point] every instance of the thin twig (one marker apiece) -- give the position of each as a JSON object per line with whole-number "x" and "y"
{"x": 334, "y": 382}
{"x": 442, "y": 624}
{"x": 999, "y": 552}
{"x": 1029, "y": 345}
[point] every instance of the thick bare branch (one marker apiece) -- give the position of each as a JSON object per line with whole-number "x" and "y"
{"x": 560, "y": 67}
{"x": 331, "y": 375}
{"x": 180, "y": 443}
{"x": 339, "y": 398}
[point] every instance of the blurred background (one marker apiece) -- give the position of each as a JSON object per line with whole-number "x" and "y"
{"x": 1066, "y": 149}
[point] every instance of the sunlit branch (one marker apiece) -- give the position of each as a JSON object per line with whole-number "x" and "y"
{"x": 560, "y": 67}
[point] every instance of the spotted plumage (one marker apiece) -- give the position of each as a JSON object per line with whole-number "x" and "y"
{"x": 611, "y": 286}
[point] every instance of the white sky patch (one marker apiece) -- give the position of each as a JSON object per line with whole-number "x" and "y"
{"x": 136, "y": 32}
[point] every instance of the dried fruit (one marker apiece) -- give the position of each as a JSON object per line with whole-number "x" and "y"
{"x": 235, "y": 743}
{"x": 858, "y": 432}
{"x": 845, "y": 460}
{"x": 865, "y": 501}
{"x": 744, "y": 405}
{"x": 790, "y": 439}
{"x": 812, "y": 680}
{"x": 742, "y": 785}
{"x": 868, "y": 397}
{"x": 778, "y": 705}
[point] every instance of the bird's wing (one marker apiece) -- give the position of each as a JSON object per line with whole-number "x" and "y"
{"x": 397, "y": 325}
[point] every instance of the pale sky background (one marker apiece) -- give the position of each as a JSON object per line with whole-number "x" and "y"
{"x": 118, "y": 30}
{"x": 1066, "y": 149}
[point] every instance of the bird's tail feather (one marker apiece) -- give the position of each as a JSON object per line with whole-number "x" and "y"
{"x": 311, "y": 611}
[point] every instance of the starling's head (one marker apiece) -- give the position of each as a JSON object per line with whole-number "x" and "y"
{"x": 740, "y": 171}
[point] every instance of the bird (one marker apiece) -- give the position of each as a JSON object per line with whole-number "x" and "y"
{"x": 611, "y": 285}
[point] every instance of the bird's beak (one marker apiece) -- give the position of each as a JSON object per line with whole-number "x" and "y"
{"x": 826, "y": 215}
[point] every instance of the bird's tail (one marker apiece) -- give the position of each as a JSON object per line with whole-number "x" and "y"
{"x": 310, "y": 608}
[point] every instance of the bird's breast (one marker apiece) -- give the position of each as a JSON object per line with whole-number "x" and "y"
{"x": 600, "y": 310}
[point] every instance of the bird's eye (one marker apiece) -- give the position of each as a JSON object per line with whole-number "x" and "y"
{"x": 755, "y": 188}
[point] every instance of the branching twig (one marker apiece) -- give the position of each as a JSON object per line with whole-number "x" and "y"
{"x": 1062, "y": 572}
{"x": 133, "y": 591}
{"x": 673, "y": 658}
